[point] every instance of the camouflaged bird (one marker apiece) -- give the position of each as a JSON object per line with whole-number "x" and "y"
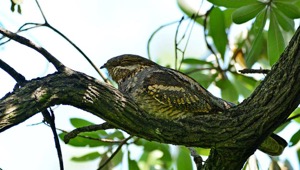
{"x": 167, "y": 93}
{"x": 161, "y": 91}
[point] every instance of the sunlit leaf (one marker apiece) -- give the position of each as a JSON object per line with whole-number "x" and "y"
{"x": 258, "y": 28}
{"x": 228, "y": 17}
{"x": 295, "y": 138}
{"x": 245, "y": 13}
{"x": 132, "y": 164}
{"x": 296, "y": 112}
{"x": 228, "y": 90}
{"x": 217, "y": 30}
{"x": 286, "y": 23}
{"x": 232, "y": 3}
{"x": 184, "y": 161}
{"x": 275, "y": 40}
{"x": 78, "y": 122}
{"x": 289, "y": 9}
{"x": 88, "y": 157}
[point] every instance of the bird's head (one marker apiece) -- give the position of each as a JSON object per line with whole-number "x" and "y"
{"x": 124, "y": 66}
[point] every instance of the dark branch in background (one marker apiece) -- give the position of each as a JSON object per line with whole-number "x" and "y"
{"x": 20, "y": 79}
{"x": 114, "y": 153}
{"x": 90, "y": 128}
{"x": 254, "y": 71}
{"x": 57, "y": 64}
{"x": 50, "y": 119}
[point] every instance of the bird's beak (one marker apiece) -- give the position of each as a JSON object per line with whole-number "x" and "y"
{"x": 104, "y": 66}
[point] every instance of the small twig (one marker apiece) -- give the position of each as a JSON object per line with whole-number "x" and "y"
{"x": 197, "y": 158}
{"x": 50, "y": 119}
{"x": 22, "y": 40}
{"x": 90, "y": 128}
{"x": 20, "y": 79}
{"x": 176, "y": 42}
{"x": 114, "y": 153}
{"x": 254, "y": 71}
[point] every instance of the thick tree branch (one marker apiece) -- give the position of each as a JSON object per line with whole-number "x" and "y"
{"x": 233, "y": 135}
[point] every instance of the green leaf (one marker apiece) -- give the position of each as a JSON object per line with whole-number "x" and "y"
{"x": 184, "y": 161}
{"x": 289, "y": 9}
{"x": 295, "y": 138}
{"x": 243, "y": 84}
{"x": 78, "y": 122}
{"x": 88, "y": 157}
{"x": 286, "y": 23}
{"x": 232, "y": 3}
{"x": 118, "y": 158}
{"x": 109, "y": 165}
{"x": 132, "y": 164}
{"x": 245, "y": 13}
{"x": 228, "y": 17}
{"x": 193, "y": 61}
{"x": 217, "y": 30}
{"x": 296, "y": 112}
{"x": 276, "y": 43}
{"x": 257, "y": 29}
{"x": 204, "y": 79}
{"x": 228, "y": 90}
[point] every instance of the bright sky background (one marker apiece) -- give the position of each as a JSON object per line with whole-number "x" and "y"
{"x": 102, "y": 29}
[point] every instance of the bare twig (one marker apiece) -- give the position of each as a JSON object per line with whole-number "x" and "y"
{"x": 90, "y": 128}
{"x": 176, "y": 41}
{"x": 57, "y": 64}
{"x": 254, "y": 71}
{"x": 114, "y": 153}
{"x": 50, "y": 119}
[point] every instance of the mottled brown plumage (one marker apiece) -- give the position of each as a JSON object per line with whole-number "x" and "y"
{"x": 161, "y": 91}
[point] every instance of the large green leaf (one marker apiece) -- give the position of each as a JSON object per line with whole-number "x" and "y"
{"x": 118, "y": 158}
{"x": 217, "y": 30}
{"x": 232, "y": 3}
{"x": 87, "y": 157}
{"x": 204, "y": 80}
{"x": 289, "y": 9}
{"x": 184, "y": 161}
{"x": 245, "y": 13}
{"x": 228, "y": 91}
{"x": 286, "y": 23}
{"x": 257, "y": 31}
{"x": 295, "y": 138}
{"x": 275, "y": 40}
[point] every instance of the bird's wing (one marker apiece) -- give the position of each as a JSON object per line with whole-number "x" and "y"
{"x": 174, "y": 89}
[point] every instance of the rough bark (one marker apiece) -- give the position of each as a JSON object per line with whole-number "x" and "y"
{"x": 233, "y": 135}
